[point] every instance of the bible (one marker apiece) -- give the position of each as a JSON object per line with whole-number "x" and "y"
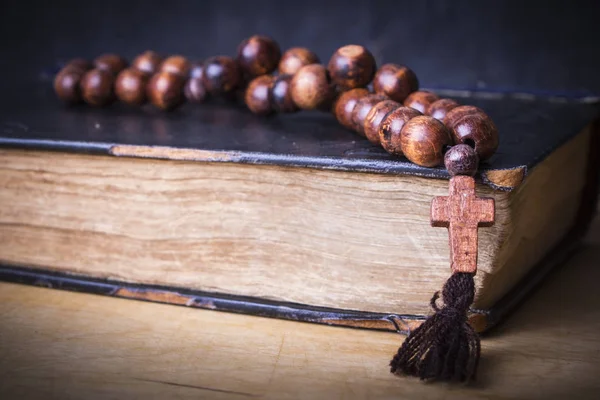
{"x": 291, "y": 216}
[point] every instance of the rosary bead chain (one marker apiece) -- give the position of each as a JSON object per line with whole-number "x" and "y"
{"x": 165, "y": 90}
{"x": 258, "y": 55}
{"x": 311, "y": 87}
{"x": 67, "y": 84}
{"x": 97, "y": 87}
{"x": 194, "y": 90}
{"x": 130, "y": 86}
{"x": 470, "y": 125}
{"x": 423, "y": 140}
{"x": 391, "y": 128}
{"x": 344, "y": 106}
{"x": 439, "y": 108}
{"x": 177, "y": 65}
{"x": 375, "y": 117}
{"x": 395, "y": 81}
{"x": 258, "y": 95}
{"x": 352, "y": 66}
{"x": 361, "y": 110}
{"x": 420, "y": 100}
{"x": 221, "y": 75}
{"x": 403, "y": 120}
{"x": 112, "y": 63}
{"x": 281, "y": 94}
{"x": 148, "y": 62}
{"x": 295, "y": 58}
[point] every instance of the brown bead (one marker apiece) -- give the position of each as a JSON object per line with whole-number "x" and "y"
{"x": 148, "y": 62}
{"x": 258, "y": 95}
{"x": 374, "y": 118}
{"x": 110, "y": 62}
{"x": 130, "y": 86}
{"x": 194, "y": 90}
{"x": 352, "y": 66}
{"x": 67, "y": 84}
{"x": 395, "y": 81}
{"x": 177, "y": 65}
{"x": 361, "y": 110}
{"x": 470, "y": 125}
{"x": 311, "y": 87}
{"x": 420, "y": 100}
{"x": 423, "y": 140}
{"x": 281, "y": 94}
{"x": 452, "y": 117}
{"x": 196, "y": 70}
{"x": 295, "y": 58}
{"x": 391, "y": 128}
{"x": 461, "y": 159}
{"x": 164, "y": 90}
{"x": 221, "y": 75}
{"x": 79, "y": 63}
{"x": 344, "y": 106}
{"x": 439, "y": 108}
{"x": 258, "y": 55}
{"x": 97, "y": 87}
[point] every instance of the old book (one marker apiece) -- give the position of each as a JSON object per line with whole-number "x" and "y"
{"x": 291, "y": 216}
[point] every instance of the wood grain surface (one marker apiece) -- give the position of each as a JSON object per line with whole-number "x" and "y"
{"x": 60, "y": 345}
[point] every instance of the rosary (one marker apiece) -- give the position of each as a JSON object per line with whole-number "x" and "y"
{"x": 418, "y": 125}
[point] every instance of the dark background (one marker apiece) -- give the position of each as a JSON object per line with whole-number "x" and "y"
{"x": 543, "y": 47}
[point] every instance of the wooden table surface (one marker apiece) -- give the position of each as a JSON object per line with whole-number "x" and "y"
{"x": 61, "y": 345}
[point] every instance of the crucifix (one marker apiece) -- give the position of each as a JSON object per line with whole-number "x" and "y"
{"x": 462, "y": 212}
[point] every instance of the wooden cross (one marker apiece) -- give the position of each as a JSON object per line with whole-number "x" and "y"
{"x": 462, "y": 213}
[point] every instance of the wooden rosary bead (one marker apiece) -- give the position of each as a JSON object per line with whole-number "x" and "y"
{"x": 258, "y": 55}
{"x": 177, "y": 65}
{"x": 391, "y": 128}
{"x": 452, "y": 118}
{"x": 281, "y": 94}
{"x": 344, "y": 106}
{"x": 374, "y": 118}
{"x": 221, "y": 75}
{"x": 361, "y": 110}
{"x": 395, "y": 81}
{"x": 196, "y": 70}
{"x": 130, "y": 86}
{"x": 295, "y": 58}
{"x": 420, "y": 100}
{"x": 110, "y": 62}
{"x": 97, "y": 87}
{"x": 164, "y": 90}
{"x": 471, "y": 126}
{"x": 67, "y": 84}
{"x": 423, "y": 140}
{"x": 461, "y": 159}
{"x": 258, "y": 95}
{"x": 352, "y": 66}
{"x": 311, "y": 87}
{"x": 439, "y": 108}
{"x": 194, "y": 91}
{"x": 148, "y": 62}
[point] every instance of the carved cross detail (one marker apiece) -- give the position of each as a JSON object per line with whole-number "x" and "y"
{"x": 462, "y": 213}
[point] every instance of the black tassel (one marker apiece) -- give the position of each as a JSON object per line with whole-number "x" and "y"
{"x": 445, "y": 346}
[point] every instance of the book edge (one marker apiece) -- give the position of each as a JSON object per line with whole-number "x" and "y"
{"x": 506, "y": 179}
{"x": 566, "y": 247}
